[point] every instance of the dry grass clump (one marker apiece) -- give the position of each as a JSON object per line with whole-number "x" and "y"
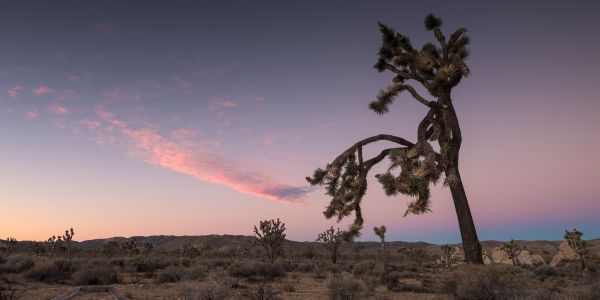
{"x": 493, "y": 282}
{"x": 260, "y": 292}
{"x": 101, "y": 274}
{"x": 52, "y": 271}
{"x": 343, "y": 286}
{"x": 257, "y": 270}
{"x": 17, "y": 264}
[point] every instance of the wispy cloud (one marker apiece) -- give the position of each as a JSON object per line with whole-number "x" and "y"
{"x": 32, "y": 113}
{"x": 135, "y": 91}
{"x": 42, "y": 90}
{"x": 59, "y": 109}
{"x": 194, "y": 159}
{"x": 181, "y": 83}
{"x": 14, "y": 91}
{"x": 221, "y": 103}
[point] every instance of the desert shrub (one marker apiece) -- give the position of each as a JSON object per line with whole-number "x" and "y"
{"x": 196, "y": 272}
{"x": 493, "y": 282}
{"x": 587, "y": 292}
{"x": 305, "y": 267}
{"x": 213, "y": 290}
{"x": 149, "y": 264}
{"x": 288, "y": 287}
{"x": 17, "y": 264}
{"x": 392, "y": 282}
{"x": 261, "y": 292}
{"x": 218, "y": 262}
{"x": 543, "y": 294}
{"x": 264, "y": 270}
{"x": 544, "y": 271}
{"x": 2, "y": 258}
{"x": 49, "y": 272}
{"x": 171, "y": 274}
{"x": 363, "y": 268}
{"x": 96, "y": 275}
{"x": 118, "y": 262}
{"x": 343, "y": 286}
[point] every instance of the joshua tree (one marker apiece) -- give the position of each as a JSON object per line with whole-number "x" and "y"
{"x": 148, "y": 247}
{"x": 309, "y": 252}
{"x": 110, "y": 248}
{"x": 68, "y": 239}
{"x": 577, "y": 244}
{"x": 331, "y": 240}
{"x": 447, "y": 255}
{"x": 55, "y": 245}
{"x": 10, "y": 244}
{"x": 380, "y": 232}
{"x": 190, "y": 251}
{"x": 438, "y": 69}
{"x": 513, "y": 250}
{"x": 130, "y": 246}
{"x": 271, "y": 237}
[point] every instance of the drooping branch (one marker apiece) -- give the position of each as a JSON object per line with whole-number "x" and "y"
{"x": 416, "y": 95}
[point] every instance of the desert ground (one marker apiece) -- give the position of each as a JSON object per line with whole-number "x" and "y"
{"x": 235, "y": 267}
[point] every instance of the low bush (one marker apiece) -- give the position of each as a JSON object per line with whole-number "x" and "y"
{"x": 17, "y": 264}
{"x": 96, "y": 275}
{"x": 171, "y": 274}
{"x": 49, "y": 272}
{"x": 491, "y": 282}
{"x": 363, "y": 268}
{"x": 343, "y": 286}
{"x": 248, "y": 269}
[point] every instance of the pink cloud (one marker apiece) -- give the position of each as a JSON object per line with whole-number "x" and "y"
{"x": 182, "y": 134}
{"x": 60, "y": 56}
{"x": 14, "y": 91}
{"x": 59, "y": 109}
{"x": 73, "y": 77}
{"x": 90, "y": 124}
{"x": 193, "y": 159}
{"x": 3, "y": 73}
{"x": 32, "y": 114}
{"x": 220, "y": 103}
{"x": 181, "y": 83}
{"x": 135, "y": 92}
{"x": 42, "y": 90}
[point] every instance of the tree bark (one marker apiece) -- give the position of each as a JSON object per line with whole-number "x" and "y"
{"x": 470, "y": 241}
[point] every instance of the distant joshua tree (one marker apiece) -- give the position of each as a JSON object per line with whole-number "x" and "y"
{"x": 438, "y": 69}
{"x": 55, "y": 245}
{"x": 130, "y": 246}
{"x": 10, "y": 244}
{"x": 110, "y": 248}
{"x": 331, "y": 240}
{"x": 270, "y": 235}
{"x": 578, "y": 244}
{"x": 68, "y": 239}
{"x": 309, "y": 252}
{"x": 148, "y": 247}
{"x": 447, "y": 255}
{"x": 380, "y": 232}
{"x": 513, "y": 250}
{"x": 190, "y": 251}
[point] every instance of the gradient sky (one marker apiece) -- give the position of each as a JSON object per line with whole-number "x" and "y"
{"x": 123, "y": 118}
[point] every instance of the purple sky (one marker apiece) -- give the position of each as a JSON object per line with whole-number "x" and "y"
{"x": 185, "y": 118}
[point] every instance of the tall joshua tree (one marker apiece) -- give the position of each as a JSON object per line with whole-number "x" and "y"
{"x": 380, "y": 232}
{"x": 270, "y": 235}
{"x": 331, "y": 240}
{"x": 438, "y": 69}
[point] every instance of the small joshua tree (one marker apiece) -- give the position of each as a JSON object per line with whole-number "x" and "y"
{"x": 513, "y": 250}
{"x": 10, "y": 244}
{"x": 55, "y": 245}
{"x": 110, "y": 248}
{"x": 148, "y": 247}
{"x": 380, "y": 232}
{"x": 190, "y": 251}
{"x": 309, "y": 252}
{"x": 577, "y": 244}
{"x": 130, "y": 246}
{"x": 68, "y": 239}
{"x": 270, "y": 235}
{"x": 331, "y": 240}
{"x": 447, "y": 255}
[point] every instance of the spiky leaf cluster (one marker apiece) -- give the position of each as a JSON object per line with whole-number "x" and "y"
{"x": 414, "y": 179}
{"x": 345, "y": 183}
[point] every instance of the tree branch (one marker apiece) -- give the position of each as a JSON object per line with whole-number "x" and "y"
{"x": 416, "y": 95}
